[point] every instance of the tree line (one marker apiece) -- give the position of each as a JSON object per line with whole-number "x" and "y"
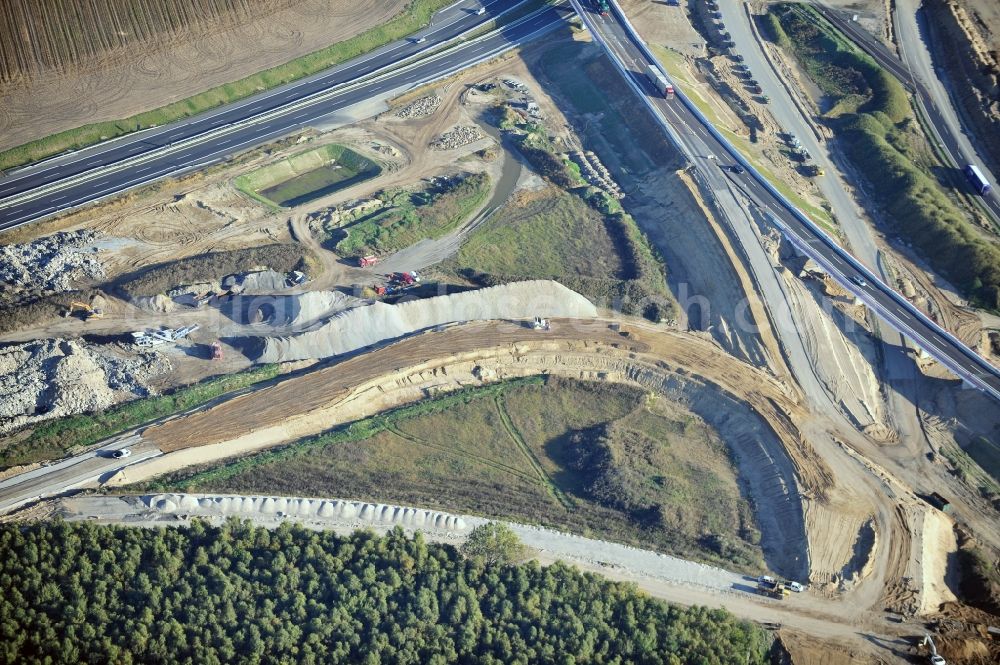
{"x": 86, "y": 593}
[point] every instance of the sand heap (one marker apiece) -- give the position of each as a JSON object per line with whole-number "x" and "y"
{"x": 49, "y": 378}
{"x": 277, "y": 506}
{"x": 299, "y": 311}
{"x": 365, "y": 326}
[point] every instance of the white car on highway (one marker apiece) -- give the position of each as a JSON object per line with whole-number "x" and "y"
{"x": 121, "y": 453}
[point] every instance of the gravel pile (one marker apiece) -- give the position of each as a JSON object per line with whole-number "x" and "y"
{"x": 420, "y": 108}
{"x": 364, "y": 326}
{"x": 456, "y": 138}
{"x": 51, "y": 264}
{"x": 50, "y": 378}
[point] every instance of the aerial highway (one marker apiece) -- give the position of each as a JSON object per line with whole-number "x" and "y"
{"x": 706, "y": 148}
{"x": 110, "y": 168}
{"x": 925, "y": 84}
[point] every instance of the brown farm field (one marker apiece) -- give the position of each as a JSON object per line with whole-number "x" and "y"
{"x": 63, "y": 65}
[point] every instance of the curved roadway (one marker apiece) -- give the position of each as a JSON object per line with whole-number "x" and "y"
{"x": 698, "y": 138}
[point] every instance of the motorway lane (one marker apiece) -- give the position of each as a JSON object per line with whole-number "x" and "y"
{"x": 446, "y": 25}
{"x": 917, "y": 73}
{"x": 72, "y": 473}
{"x": 882, "y": 300}
{"x": 198, "y": 153}
{"x": 897, "y": 367}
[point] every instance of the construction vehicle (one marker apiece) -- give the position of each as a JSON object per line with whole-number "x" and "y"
{"x": 216, "y": 350}
{"x": 811, "y": 170}
{"x": 366, "y": 261}
{"x": 403, "y": 278}
{"x": 768, "y": 586}
{"x": 540, "y": 324}
{"x": 87, "y": 311}
{"x": 933, "y": 658}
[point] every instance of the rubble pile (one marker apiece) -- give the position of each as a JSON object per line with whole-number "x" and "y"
{"x": 456, "y": 138}
{"x": 55, "y": 263}
{"x": 50, "y": 378}
{"x": 420, "y": 108}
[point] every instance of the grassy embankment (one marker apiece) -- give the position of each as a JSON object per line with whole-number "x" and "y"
{"x": 306, "y": 176}
{"x": 409, "y": 216}
{"x": 604, "y": 460}
{"x": 571, "y": 232}
{"x": 416, "y": 15}
{"x": 56, "y": 438}
{"x": 875, "y": 124}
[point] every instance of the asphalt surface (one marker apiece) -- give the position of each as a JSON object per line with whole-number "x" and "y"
{"x": 73, "y": 472}
{"x": 896, "y": 365}
{"x": 917, "y": 74}
{"x": 73, "y": 180}
{"x": 696, "y": 139}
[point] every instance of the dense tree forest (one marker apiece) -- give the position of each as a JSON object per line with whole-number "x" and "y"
{"x": 85, "y": 593}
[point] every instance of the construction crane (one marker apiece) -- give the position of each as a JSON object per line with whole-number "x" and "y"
{"x": 935, "y": 659}
{"x": 88, "y": 311}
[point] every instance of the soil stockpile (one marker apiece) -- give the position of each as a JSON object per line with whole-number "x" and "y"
{"x": 366, "y": 326}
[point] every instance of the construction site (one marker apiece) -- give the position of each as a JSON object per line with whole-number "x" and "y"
{"x": 521, "y": 221}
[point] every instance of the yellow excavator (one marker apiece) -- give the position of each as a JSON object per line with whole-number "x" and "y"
{"x": 85, "y": 309}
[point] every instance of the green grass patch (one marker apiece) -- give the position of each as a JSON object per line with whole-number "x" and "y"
{"x": 410, "y": 216}
{"x": 416, "y": 15}
{"x": 576, "y": 234}
{"x": 549, "y": 233}
{"x": 599, "y": 459}
{"x": 307, "y": 175}
{"x": 57, "y": 438}
{"x": 882, "y": 138}
{"x": 583, "y": 239}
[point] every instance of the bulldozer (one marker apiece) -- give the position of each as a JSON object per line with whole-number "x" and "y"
{"x": 86, "y": 310}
